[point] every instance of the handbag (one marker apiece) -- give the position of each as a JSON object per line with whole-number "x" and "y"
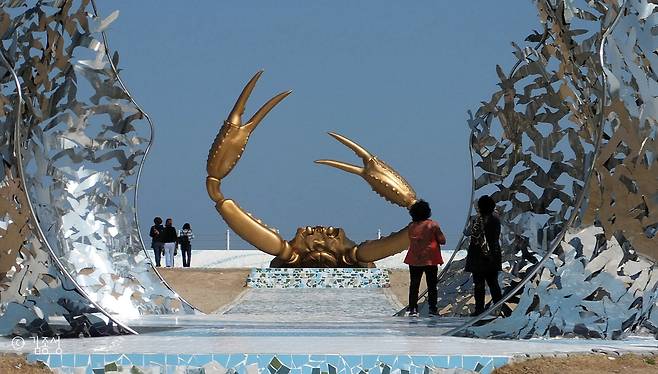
{"x": 482, "y": 236}
{"x": 485, "y": 246}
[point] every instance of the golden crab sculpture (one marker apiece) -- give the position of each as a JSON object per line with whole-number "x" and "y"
{"x": 312, "y": 246}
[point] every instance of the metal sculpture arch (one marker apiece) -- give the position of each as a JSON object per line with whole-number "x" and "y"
{"x": 74, "y": 144}
{"x": 567, "y": 146}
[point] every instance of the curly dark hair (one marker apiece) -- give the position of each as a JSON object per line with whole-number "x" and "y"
{"x": 187, "y": 226}
{"x": 157, "y": 220}
{"x": 486, "y": 205}
{"x": 420, "y": 211}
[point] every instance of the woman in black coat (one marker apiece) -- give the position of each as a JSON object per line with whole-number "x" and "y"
{"x": 484, "y": 258}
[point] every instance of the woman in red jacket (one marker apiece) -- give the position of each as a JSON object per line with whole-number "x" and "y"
{"x": 424, "y": 254}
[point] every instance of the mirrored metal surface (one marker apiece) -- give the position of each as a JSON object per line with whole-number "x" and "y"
{"x": 566, "y": 148}
{"x": 32, "y": 286}
{"x": 73, "y": 164}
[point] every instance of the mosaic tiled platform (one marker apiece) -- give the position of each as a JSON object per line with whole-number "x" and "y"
{"x": 265, "y": 364}
{"x": 318, "y": 278}
{"x": 247, "y": 344}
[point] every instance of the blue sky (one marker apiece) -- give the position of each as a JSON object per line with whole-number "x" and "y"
{"x": 395, "y": 77}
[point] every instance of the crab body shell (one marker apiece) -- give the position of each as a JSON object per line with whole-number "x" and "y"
{"x": 321, "y": 247}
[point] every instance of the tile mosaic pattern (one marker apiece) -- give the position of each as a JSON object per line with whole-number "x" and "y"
{"x": 318, "y": 278}
{"x": 267, "y": 364}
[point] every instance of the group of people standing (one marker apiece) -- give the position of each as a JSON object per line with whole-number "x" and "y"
{"x": 483, "y": 259}
{"x": 165, "y": 240}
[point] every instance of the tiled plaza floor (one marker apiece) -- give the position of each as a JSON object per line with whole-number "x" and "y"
{"x": 328, "y": 303}
{"x": 302, "y": 331}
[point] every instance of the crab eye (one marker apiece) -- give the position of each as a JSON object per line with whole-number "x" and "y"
{"x": 332, "y": 231}
{"x": 308, "y": 230}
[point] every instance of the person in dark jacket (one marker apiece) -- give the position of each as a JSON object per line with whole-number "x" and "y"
{"x": 156, "y": 239}
{"x": 424, "y": 255}
{"x": 170, "y": 239}
{"x": 484, "y": 259}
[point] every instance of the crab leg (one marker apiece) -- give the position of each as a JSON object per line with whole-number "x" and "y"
{"x": 224, "y": 154}
{"x": 254, "y": 231}
{"x": 383, "y": 179}
{"x": 387, "y": 183}
{"x": 373, "y": 250}
{"x": 232, "y": 139}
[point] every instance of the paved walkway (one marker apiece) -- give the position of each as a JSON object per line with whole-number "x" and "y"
{"x": 304, "y": 330}
{"x": 319, "y": 303}
{"x": 301, "y": 329}
{"x": 393, "y": 337}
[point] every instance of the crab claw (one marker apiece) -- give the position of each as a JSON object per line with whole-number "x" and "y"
{"x": 229, "y": 144}
{"x": 385, "y": 181}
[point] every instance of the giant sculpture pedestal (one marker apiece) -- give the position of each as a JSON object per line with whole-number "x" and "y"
{"x": 318, "y": 278}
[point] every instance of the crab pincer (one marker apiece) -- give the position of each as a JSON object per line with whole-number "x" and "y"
{"x": 232, "y": 139}
{"x": 382, "y": 178}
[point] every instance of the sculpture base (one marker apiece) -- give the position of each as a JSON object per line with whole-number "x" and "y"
{"x": 318, "y": 278}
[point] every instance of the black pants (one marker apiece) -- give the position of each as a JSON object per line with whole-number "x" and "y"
{"x": 157, "y": 251}
{"x": 186, "y": 250}
{"x": 478, "y": 284}
{"x": 415, "y": 274}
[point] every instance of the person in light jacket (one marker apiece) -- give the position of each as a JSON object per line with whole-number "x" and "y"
{"x": 185, "y": 237}
{"x": 424, "y": 255}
